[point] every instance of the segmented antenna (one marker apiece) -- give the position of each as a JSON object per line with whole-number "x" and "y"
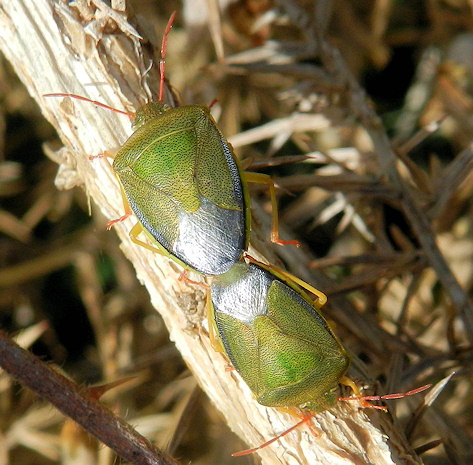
{"x": 162, "y": 61}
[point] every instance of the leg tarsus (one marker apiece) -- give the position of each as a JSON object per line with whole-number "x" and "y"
{"x": 184, "y": 277}
{"x": 118, "y": 220}
{"x": 106, "y": 154}
{"x": 276, "y": 240}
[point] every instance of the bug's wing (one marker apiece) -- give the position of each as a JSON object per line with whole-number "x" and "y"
{"x": 286, "y": 364}
{"x": 156, "y": 169}
{"x": 289, "y": 310}
{"x": 211, "y": 239}
{"x": 241, "y": 347}
{"x": 217, "y": 175}
{"x": 155, "y": 209}
{"x": 166, "y": 165}
{"x": 300, "y": 359}
{"x": 237, "y": 297}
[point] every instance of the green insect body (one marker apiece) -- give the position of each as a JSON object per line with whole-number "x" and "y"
{"x": 275, "y": 337}
{"x": 182, "y": 181}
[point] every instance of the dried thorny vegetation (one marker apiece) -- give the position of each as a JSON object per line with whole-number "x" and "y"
{"x": 382, "y": 204}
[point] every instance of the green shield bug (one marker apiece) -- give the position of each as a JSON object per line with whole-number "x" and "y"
{"x": 280, "y": 344}
{"x": 276, "y": 338}
{"x": 181, "y": 179}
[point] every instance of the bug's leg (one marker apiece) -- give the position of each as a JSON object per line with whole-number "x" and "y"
{"x": 128, "y": 212}
{"x": 217, "y": 344}
{"x": 301, "y": 414}
{"x": 260, "y": 178}
{"x": 214, "y": 340}
{"x": 321, "y": 297}
{"x": 134, "y": 233}
{"x": 126, "y": 205}
{"x": 184, "y": 276}
{"x": 346, "y": 381}
{"x": 245, "y": 164}
{"x": 304, "y": 420}
{"x": 106, "y": 154}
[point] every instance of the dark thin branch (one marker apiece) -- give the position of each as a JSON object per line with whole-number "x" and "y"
{"x": 74, "y": 402}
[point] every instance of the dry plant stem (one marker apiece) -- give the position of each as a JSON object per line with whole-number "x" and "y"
{"x": 89, "y": 413}
{"x": 52, "y": 51}
{"x": 359, "y": 105}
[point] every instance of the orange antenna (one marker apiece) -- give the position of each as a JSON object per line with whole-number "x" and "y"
{"x": 162, "y": 62}
{"x": 99, "y": 104}
{"x": 398, "y": 395}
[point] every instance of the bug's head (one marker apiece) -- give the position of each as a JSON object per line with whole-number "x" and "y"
{"x": 323, "y": 402}
{"x": 148, "y": 112}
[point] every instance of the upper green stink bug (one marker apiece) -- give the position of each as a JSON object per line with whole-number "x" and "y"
{"x": 278, "y": 341}
{"x": 181, "y": 179}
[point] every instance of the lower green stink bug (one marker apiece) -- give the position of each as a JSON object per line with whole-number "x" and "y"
{"x": 181, "y": 179}
{"x": 279, "y": 343}
{"x": 276, "y": 338}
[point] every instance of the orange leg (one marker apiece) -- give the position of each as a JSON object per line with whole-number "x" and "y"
{"x": 304, "y": 420}
{"x": 321, "y": 297}
{"x": 128, "y": 212}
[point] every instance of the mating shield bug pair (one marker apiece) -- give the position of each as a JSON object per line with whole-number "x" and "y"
{"x": 180, "y": 178}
